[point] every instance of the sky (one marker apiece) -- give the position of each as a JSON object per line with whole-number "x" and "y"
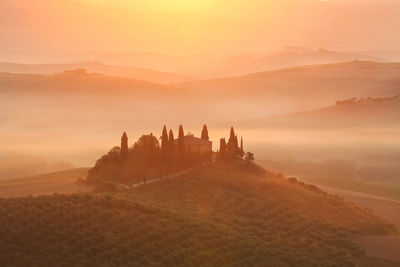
{"x": 192, "y": 26}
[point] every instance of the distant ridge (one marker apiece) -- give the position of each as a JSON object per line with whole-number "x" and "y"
{"x": 77, "y": 81}
{"x": 345, "y": 64}
{"x": 288, "y": 57}
{"x": 207, "y": 65}
{"x": 118, "y": 71}
{"x": 303, "y": 87}
{"x": 251, "y": 96}
{"x": 379, "y": 112}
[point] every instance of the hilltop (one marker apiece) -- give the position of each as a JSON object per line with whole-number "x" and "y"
{"x": 229, "y": 213}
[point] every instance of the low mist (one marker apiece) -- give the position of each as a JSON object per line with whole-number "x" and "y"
{"x": 17, "y": 166}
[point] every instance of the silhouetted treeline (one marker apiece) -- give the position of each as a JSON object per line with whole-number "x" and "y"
{"x": 148, "y": 159}
{"x": 231, "y": 149}
{"x": 354, "y": 100}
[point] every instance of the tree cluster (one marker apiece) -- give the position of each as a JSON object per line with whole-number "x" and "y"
{"x": 355, "y": 100}
{"x": 232, "y": 150}
{"x": 146, "y": 159}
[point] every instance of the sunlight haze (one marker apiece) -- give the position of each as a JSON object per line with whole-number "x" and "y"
{"x": 178, "y": 133}
{"x": 178, "y": 27}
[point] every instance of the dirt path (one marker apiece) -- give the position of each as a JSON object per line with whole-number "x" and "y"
{"x": 157, "y": 179}
{"x": 344, "y": 192}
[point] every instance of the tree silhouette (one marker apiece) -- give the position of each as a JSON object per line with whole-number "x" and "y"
{"x": 222, "y": 148}
{"x": 232, "y": 145}
{"x": 171, "y": 142}
{"x": 124, "y": 147}
{"x": 107, "y": 167}
{"x": 249, "y": 158}
{"x": 164, "y": 142}
{"x": 148, "y": 159}
{"x": 181, "y": 145}
{"x": 241, "y": 152}
{"x": 231, "y": 136}
{"x": 236, "y": 145}
{"x": 148, "y": 145}
{"x": 204, "y": 133}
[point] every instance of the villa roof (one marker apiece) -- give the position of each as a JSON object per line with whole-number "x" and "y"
{"x": 192, "y": 140}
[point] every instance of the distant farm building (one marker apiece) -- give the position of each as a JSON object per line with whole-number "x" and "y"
{"x": 196, "y": 145}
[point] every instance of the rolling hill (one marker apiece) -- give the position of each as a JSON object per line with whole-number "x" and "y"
{"x": 384, "y": 114}
{"x": 72, "y": 111}
{"x": 302, "y": 88}
{"x": 96, "y": 67}
{"x": 287, "y": 57}
{"x": 279, "y": 91}
{"x": 158, "y": 67}
{"x": 74, "y": 83}
{"x": 227, "y": 213}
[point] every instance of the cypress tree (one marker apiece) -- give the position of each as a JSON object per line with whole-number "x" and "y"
{"x": 124, "y": 147}
{"x": 181, "y": 140}
{"x": 204, "y": 133}
{"x": 222, "y": 148}
{"x": 241, "y": 147}
{"x": 232, "y": 145}
{"x": 164, "y": 141}
{"x": 181, "y": 146}
{"x": 171, "y": 141}
{"x": 236, "y": 145}
{"x": 231, "y": 136}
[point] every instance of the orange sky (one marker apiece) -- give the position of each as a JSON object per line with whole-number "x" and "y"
{"x": 186, "y": 26}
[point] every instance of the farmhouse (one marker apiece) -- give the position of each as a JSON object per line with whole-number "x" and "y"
{"x": 196, "y": 145}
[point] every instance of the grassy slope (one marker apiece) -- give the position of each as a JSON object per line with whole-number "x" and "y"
{"x": 222, "y": 214}
{"x": 212, "y": 188}
{"x": 60, "y": 182}
{"x": 378, "y": 189}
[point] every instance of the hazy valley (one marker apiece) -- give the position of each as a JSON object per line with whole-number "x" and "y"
{"x": 199, "y": 133}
